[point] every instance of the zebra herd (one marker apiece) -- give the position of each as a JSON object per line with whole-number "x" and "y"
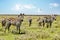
{"x": 46, "y": 21}
{"x": 6, "y": 23}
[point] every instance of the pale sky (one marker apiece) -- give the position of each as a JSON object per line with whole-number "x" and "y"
{"x": 30, "y": 6}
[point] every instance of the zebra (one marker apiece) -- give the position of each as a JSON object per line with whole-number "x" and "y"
{"x": 40, "y": 21}
{"x": 3, "y": 22}
{"x": 30, "y": 21}
{"x": 8, "y": 24}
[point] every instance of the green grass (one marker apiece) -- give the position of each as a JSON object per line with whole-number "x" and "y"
{"x": 34, "y": 32}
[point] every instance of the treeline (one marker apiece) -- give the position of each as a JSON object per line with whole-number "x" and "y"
{"x": 24, "y": 14}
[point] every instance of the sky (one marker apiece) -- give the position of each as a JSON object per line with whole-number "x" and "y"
{"x": 30, "y": 7}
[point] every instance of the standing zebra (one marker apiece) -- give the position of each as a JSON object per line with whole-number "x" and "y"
{"x": 18, "y": 23}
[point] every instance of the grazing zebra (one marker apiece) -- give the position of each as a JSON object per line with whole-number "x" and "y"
{"x": 30, "y": 21}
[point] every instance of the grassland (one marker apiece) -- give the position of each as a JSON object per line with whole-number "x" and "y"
{"x": 34, "y": 32}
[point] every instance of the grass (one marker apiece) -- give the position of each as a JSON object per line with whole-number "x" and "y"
{"x": 33, "y": 32}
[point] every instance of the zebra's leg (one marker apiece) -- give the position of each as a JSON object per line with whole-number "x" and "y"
{"x": 55, "y": 19}
{"x": 39, "y": 24}
{"x": 43, "y": 24}
{"x": 19, "y": 29}
{"x": 50, "y": 24}
{"x": 9, "y": 27}
{"x": 30, "y": 23}
{"x": 47, "y": 25}
{"x": 5, "y": 29}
